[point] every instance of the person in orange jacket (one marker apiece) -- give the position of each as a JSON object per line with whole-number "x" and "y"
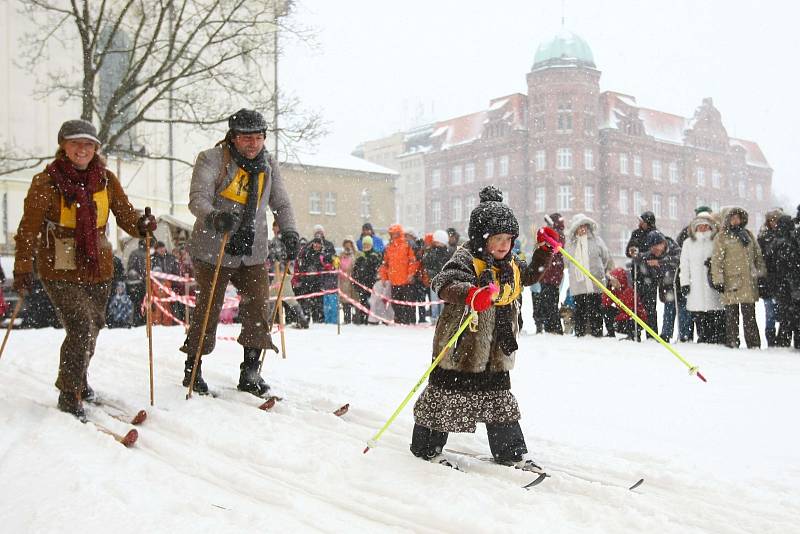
{"x": 399, "y": 267}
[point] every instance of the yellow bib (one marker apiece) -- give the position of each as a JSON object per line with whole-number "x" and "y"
{"x": 239, "y": 186}
{"x": 508, "y": 293}
{"x": 68, "y": 213}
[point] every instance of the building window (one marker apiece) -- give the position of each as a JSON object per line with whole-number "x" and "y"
{"x": 541, "y": 199}
{"x": 623, "y": 164}
{"x": 759, "y": 192}
{"x": 541, "y": 160}
{"x": 471, "y": 202}
{"x": 503, "y": 165}
{"x": 657, "y": 205}
{"x": 623, "y": 201}
{"x": 588, "y": 198}
{"x": 469, "y": 173}
{"x": 742, "y": 189}
{"x": 716, "y": 178}
{"x": 436, "y": 178}
{"x": 490, "y": 168}
{"x": 455, "y": 175}
{"x": 715, "y": 206}
{"x": 564, "y": 197}
{"x": 588, "y": 159}
{"x": 455, "y": 210}
{"x": 637, "y": 165}
{"x": 673, "y": 207}
{"x": 314, "y": 203}
{"x": 436, "y": 212}
{"x": 624, "y": 237}
{"x": 700, "y": 175}
{"x": 565, "y": 117}
{"x": 674, "y": 176}
{"x": 657, "y": 170}
{"x": 564, "y": 158}
{"x": 330, "y": 203}
{"x": 366, "y": 204}
{"x": 638, "y": 202}
{"x": 700, "y": 202}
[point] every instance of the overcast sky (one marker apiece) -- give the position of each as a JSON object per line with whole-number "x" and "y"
{"x": 379, "y": 63}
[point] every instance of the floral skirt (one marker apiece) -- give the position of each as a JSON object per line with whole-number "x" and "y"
{"x": 448, "y": 410}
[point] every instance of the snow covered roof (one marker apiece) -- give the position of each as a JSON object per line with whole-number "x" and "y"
{"x": 468, "y": 128}
{"x": 753, "y": 154}
{"x": 337, "y": 160}
{"x": 666, "y": 127}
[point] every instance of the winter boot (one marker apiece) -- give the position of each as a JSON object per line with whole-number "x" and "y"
{"x": 88, "y": 394}
{"x": 71, "y": 404}
{"x": 200, "y": 386}
{"x": 249, "y": 379}
{"x": 302, "y": 320}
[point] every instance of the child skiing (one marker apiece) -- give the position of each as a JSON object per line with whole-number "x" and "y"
{"x": 472, "y": 383}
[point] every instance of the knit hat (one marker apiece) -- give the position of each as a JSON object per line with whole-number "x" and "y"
{"x": 77, "y": 129}
{"x": 554, "y": 220}
{"x": 490, "y": 217}
{"x": 649, "y": 217}
{"x": 654, "y": 238}
{"x": 247, "y": 121}
{"x": 318, "y": 229}
{"x": 440, "y": 236}
{"x": 366, "y": 241}
{"x": 702, "y": 209}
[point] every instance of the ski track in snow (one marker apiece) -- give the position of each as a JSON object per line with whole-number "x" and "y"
{"x": 721, "y": 457}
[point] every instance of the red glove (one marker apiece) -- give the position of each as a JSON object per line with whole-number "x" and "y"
{"x": 541, "y": 236}
{"x": 481, "y": 298}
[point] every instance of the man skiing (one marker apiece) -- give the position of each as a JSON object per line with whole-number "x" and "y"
{"x": 233, "y": 186}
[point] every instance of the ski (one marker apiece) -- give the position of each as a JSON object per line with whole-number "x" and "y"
{"x": 119, "y": 413}
{"x": 564, "y": 472}
{"x": 268, "y": 404}
{"x": 541, "y": 476}
{"x": 128, "y": 439}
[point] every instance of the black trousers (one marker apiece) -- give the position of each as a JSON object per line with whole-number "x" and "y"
{"x": 710, "y": 326}
{"x": 751, "y": 334}
{"x": 549, "y": 305}
{"x": 649, "y": 295}
{"x": 404, "y": 314}
{"x": 505, "y": 441}
{"x": 588, "y": 315}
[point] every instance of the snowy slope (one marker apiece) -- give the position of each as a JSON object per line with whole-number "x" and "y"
{"x": 722, "y": 457}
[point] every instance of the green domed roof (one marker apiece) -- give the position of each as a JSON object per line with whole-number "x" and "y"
{"x": 565, "y": 48}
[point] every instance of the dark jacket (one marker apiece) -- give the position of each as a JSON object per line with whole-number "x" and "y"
{"x": 166, "y": 264}
{"x": 435, "y": 259}
{"x": 782, "y": 256}
{"x": 638, "y": 238}
{"x": 365, "y": 270}
{"x": 664, "y": 273}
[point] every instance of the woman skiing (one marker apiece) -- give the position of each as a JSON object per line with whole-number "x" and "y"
{"x": 472, "y": 383}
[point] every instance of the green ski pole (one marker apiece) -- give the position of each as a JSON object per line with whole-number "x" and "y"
{"x": 373, "y": 442}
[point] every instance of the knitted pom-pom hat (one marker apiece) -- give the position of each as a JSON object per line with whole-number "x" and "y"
{"x": 490, "y": 217}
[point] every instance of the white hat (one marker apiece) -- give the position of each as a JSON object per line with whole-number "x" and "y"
{"x": 440, "y": 236}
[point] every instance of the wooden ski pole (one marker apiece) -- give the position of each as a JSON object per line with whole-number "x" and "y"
{"x": 201, "y": 339}
{"x": 11, "y": 322}
{"x": 274, "y": 310}
{"x": 149, "y": 293}
{"x": 282, "y": 325}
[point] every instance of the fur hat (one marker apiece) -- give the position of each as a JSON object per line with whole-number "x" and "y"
{"x": 77, "y": 129}
{"x": 490, "y": 217}
{"x": 440, "y": 236}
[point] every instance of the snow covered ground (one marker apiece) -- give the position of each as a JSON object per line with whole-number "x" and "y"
{"x": 722, "y": 457}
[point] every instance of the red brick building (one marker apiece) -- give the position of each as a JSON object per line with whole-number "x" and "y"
{"x": 568, "y": 147}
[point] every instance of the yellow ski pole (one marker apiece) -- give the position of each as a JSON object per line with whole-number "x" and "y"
{"x": 373, "y": 442}
{"x": 693, "y": 369}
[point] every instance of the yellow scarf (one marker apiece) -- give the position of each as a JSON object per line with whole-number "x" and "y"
{"x": 509, "y": 292}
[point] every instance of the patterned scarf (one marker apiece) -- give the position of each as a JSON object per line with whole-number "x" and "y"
{"x": 739, "y": 232}
{"x": 78, "y": 186}
{"x": 241, "y": 242}
{"x": 503, "y": 318}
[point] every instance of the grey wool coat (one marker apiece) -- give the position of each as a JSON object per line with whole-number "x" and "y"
{"x": 479, "y": 351}
{"x": 214, "y": 171}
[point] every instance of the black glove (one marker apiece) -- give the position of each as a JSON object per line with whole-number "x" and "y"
{"x": 146, "y": 223}
{"x": 685, "y": 291}
{"x": 23, "y": 282}
{"x": 222, "y": 221}
{"x": 291, "y": 242}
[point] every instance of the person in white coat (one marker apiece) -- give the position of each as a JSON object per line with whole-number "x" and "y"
{"x": 702, "y": 300}
{"x": 584, "y": 243}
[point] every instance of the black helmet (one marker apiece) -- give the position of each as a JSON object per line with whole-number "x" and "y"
{"x": 247, "y": 121}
